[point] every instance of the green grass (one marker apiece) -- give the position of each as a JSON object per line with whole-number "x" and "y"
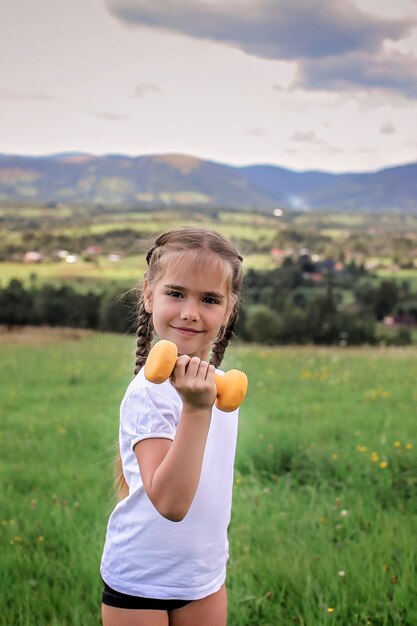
{"x": 129, "y": 270}
{"x": 325, "y": 506}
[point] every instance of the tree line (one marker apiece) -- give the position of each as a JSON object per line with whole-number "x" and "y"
{"x": 279, "y": 306}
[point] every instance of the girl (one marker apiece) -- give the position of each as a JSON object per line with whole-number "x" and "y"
{"x": 166, "y": 549}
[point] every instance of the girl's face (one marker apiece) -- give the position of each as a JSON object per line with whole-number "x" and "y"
{"x": 189, "y": 305}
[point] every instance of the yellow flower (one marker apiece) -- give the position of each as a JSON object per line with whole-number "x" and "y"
{"x": 383, "y": 464}
{"x": 397, "y": 444}
{"x": 334, "y": 457}
{"x": 330, "y": 609}
{"x": 374, "y": 457}
{"x": 361, "y": 448}
{"x": 408, "y": 446}
{"x": 41, "y": 538}
{"x": 16, "y": 539}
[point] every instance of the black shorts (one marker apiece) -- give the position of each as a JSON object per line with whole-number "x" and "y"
{"x": 111, "y": 597}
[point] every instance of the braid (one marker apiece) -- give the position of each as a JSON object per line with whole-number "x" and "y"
{"x": 222, "y": 341}
{"x": 145, "y": 335}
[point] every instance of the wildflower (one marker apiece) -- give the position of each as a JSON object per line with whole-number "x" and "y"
{"x": 362, "y": 449}
{"x": 374, "y": 457}
{"x": 408, "y": 446}
{"x": 40, "y": 539}
{"x": 341, "y": 573}
{"x": 397, "y": 444}
{"x": 344, "y": 513}
{"x": 16, "y": 539}
{"x": 383, "y": 464}
{"x": 330, "y": 609}
{"x": 334, "y": 456}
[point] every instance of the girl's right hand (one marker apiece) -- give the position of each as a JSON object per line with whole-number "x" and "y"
{"x": 193, "y": 378}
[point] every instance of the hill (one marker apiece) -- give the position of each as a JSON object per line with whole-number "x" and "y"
{"x": 181, "y": 180}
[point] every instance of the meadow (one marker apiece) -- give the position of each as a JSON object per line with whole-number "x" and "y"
{"x": 325, "y": 509}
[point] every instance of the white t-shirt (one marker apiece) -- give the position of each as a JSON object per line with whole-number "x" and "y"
{"x": 145, "y": 554}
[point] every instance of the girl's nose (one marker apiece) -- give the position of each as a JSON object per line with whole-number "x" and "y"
{"x": 189, "y": 313}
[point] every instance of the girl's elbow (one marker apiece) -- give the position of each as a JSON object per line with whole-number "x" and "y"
{"x": 173, "y": 512}
{"x": 174, "y": 517}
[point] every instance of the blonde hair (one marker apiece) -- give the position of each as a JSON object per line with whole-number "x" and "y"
{"x": 170, "y": 249}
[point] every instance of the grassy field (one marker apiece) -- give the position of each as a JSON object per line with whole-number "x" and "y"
{"x": 129, "y": 270}
{"x": 325, "y": 508}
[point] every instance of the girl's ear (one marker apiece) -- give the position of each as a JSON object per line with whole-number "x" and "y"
{"x": 147, "y": 296}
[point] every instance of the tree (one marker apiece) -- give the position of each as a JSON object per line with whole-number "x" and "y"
{"x": 263, "y": 325}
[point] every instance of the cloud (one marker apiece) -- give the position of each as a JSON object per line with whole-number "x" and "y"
{"x": 111, "y": 117}
{"x": 25, "y": 96}
{"x": 388, "y": 128}
{"x": 255, "y": 131}
{"x": 144, "y": 88}
{"x": 395, "y": 72}
{"x": 328, "y": 40}
{"x": 275, "y": 29}
{"x": 306, "y": 137}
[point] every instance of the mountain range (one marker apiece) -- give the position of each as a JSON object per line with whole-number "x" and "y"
{"x": 176, "y": 180}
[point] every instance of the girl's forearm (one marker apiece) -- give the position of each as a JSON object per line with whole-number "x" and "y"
{"x": 175, "y": 481}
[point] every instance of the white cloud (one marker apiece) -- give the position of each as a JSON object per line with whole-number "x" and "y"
{"x": 388, "y": 128}
{"x": 109, "y": 116}
{"x": 25, "y": 96}
{"x": 143, "y": 89}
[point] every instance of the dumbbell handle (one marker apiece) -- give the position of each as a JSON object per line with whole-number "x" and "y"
{"x": 231, "y": 386}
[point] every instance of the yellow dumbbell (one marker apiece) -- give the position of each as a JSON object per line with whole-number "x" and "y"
{"x": 231, "y": 387}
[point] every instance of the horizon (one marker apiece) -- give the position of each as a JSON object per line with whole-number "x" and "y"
{"x": 216, "y": 161}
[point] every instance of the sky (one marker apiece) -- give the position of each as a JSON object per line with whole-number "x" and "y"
{"x": 305, "y": 84}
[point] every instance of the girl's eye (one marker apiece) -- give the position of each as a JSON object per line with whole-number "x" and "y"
{"x": 174, "y": 294}
{"x": 211, "y": 301}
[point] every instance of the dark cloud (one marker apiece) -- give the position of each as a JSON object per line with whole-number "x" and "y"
{"x": 275, "y": 29}
{"x": 396, "y": 73}
{"x": 335, "y": 44}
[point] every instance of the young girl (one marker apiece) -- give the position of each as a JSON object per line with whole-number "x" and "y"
{"x": 166, "y": 549}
